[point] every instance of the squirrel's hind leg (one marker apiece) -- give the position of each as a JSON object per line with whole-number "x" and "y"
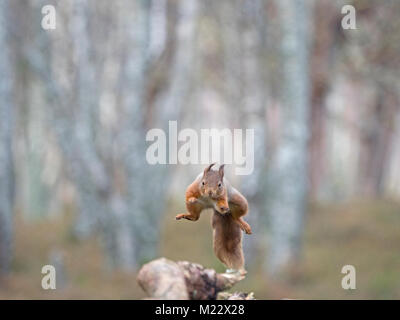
{"x": 244, "y": 225}
{"x": 239, "y": 208}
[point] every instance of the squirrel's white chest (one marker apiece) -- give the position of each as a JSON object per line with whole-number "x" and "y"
{"x": 207, "y": 202}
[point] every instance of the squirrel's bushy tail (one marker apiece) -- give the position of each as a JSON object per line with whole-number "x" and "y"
{"x": 227, "y": 240}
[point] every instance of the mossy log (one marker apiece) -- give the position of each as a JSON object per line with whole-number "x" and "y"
{"x": 183, "y": 280}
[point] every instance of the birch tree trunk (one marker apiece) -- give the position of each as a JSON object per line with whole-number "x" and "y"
{"x": 118, "y": 192}
{"x": 183, "y": 61}
{"x": 135, "y": 235}
{"x": 289, "y": 164}
{"x": 6, "y": 161}
{"x": 243, "y": 47}
{"x": 253, "y": 117}
{"x": 83, "y": 123}
{"x": 322, "y": 58}
{"x": 118, "y": 210}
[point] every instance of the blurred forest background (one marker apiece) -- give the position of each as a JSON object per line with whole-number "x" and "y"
{"x": 76, "y": 103}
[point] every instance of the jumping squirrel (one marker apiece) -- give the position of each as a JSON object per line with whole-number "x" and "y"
{"x": 211, "y": 190}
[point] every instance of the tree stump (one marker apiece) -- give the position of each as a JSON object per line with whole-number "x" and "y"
{"x": 183, "y": 280}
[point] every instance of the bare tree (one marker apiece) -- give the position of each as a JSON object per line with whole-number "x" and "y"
{"x": 288, "y": 171}
{"x": 73, "y": 116}
{"x": 326, "y": 15}
{"x": 118, "y": 192}
{"x": 6, "y": 161}
{"x": 169, "y": 107}
{"x": 246, "y": 89}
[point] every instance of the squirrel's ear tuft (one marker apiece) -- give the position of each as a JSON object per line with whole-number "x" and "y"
{"x": 221, "y": 170}
{"x": 208, "y": 168}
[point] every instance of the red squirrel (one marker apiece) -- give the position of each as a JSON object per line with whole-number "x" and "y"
{"x": 211, "y": 190}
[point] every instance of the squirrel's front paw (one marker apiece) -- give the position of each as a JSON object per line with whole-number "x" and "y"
{"x": 179, "y": 216}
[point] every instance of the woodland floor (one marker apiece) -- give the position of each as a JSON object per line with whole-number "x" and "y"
{"x": 363, "y": 234}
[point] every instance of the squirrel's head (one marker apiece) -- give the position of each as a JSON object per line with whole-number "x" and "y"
{"x": 212, "y": 183}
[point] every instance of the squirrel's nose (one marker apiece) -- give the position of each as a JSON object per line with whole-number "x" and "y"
{"x": 210, "y": 192}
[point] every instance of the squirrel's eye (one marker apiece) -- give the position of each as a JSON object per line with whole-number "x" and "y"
{"x": 219, "y": 185}
{"x": 203, "y": 183}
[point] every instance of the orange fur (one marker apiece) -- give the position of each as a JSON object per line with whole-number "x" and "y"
{"x": 229, "y": 205}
